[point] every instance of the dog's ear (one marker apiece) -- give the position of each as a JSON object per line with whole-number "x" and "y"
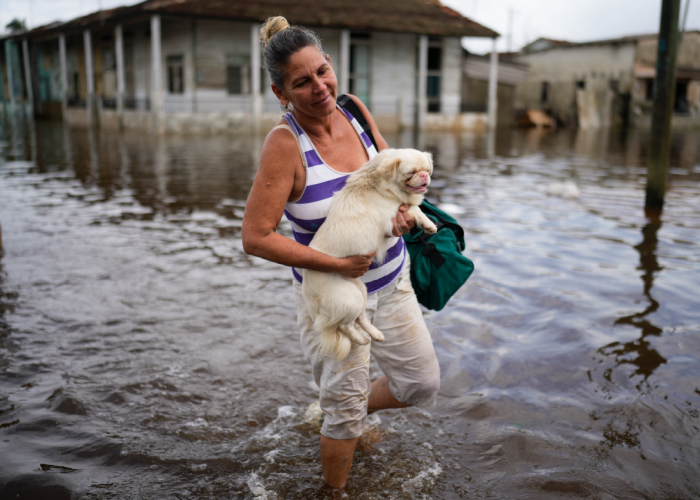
{"x": 395, "y": 167}
{"x": 389, "y": 166}
{"x": 429, "y": 157}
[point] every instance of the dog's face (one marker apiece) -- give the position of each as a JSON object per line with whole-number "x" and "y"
{"x": 414, "y": 171}
{"x": 408, "y": 169}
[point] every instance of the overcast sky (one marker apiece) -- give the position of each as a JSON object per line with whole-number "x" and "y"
{"x": 573, "y": 20}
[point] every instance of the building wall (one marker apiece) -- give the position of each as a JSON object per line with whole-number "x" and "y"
{"x": 596, "y": 65}
{"x": 688, "y": 80}
{"x": 393, "y": 79}
{"x": 688, "y": 52}
{"x": 450, "y": 100}
{"x": 139, "y": 38}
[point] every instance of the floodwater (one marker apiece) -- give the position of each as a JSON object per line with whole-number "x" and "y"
{"x": 143, "y": 355}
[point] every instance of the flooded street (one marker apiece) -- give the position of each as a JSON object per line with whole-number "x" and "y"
{"x": 144, "y": 355}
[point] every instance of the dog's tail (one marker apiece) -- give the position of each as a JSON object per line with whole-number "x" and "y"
{"x": 334, "y": 343}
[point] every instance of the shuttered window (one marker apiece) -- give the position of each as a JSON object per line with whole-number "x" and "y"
{"x": 238, "y": 74}
{"x": 176, "y": 79}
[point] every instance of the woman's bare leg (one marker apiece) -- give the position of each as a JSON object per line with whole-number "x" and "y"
{"x": 336, "y": 459}
{"x": 380, "y": 398}
{"x": 336, "y": 454}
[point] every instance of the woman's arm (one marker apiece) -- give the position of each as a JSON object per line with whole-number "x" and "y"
{"x": 280, "y": 164}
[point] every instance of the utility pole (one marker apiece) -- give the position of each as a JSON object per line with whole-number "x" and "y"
{"x": 510, "y": 30}
{"x": 664, "y": 97}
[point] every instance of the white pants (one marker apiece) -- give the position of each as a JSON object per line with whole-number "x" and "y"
{"x": 406, "y": 357}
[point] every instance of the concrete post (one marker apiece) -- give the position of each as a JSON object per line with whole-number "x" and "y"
{"x": 493, "y": 86}
{"x": 664, "y": 97}
{"x": 29, "y": 105}
{"x": 2, "y": 92}
{"x": 119, "y": 53}
{"x": 344, "y": 63}
{"x": 422, "y": 87}
{"x": 89, "y": 78}
{"x": 193, "y": 62}
{"x": 156, "y": 74}
{"x": 64, "y": 75}
{"x": 255, "y": 76}
{"x": 10, "y": 76}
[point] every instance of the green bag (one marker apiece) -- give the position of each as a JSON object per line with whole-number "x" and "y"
{"x": 438, "y": 268}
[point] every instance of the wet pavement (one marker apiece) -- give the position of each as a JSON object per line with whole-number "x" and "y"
{"x": 144, "y": 355}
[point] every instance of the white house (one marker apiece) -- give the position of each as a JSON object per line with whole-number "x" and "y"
{"x": 195, "y": 65}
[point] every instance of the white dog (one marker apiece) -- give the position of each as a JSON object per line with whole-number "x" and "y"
{"x": 358, "y": 223}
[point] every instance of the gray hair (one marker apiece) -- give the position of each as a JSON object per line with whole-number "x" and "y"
{"x": 282, "y": 41}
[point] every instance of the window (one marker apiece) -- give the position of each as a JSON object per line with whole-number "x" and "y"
{"x": 434, "y": 75}
{"x": 74, "y": 90}
{"x": 650, "y": 89}
{"x": 238, "y": 74}
{"x": 176, "y": 80}
{"x": 544, "y": 93}
{"x": 360, "y": 62}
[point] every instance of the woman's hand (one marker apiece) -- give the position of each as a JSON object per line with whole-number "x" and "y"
{"x": 403, "y": 222}
{"x": 356, "y": 265}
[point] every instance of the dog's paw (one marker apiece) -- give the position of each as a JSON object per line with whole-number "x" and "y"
{"x": 430, "y": 228}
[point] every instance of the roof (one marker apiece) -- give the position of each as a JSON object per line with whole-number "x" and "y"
{"x": 428, "y": 17}
{"x": 543, "y": 44}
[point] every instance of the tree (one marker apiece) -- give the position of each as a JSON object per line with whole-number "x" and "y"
{"x": 16, "y": 25}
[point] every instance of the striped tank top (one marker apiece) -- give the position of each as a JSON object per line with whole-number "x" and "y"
{"x": 308, "y": 213}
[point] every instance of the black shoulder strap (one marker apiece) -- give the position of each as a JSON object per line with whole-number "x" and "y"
{"x": 346, "y": 102}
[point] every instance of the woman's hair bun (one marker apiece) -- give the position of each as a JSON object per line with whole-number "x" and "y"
{"x": 272, "y": 26}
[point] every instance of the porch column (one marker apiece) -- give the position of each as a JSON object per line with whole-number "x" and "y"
{"x": 119, "y": 53}
{"x": 255, "y": 75}
{"x": 422, "y": 90}
{"x": 344, "y": 63}
{"x": 2, "y": 98}
{"x": 64, "y": 75}
{"x": 156, "y": 73}
{"x": 29, "y": 105}
{"x": 89, "y": 78}
{"x": 10, "y": 76}
{"x": 493, "y": 86}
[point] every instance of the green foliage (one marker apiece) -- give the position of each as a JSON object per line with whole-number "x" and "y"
{"x": 16, "y": 25}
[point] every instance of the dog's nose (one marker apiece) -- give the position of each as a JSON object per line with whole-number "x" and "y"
{"x": 424, "y": 176}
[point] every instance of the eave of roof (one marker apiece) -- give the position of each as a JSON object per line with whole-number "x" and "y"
{"x": 608, "y": 41}
{"x": 428, "y": 17}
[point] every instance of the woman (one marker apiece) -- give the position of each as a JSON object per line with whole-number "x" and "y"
{"x": 305, "y": 158}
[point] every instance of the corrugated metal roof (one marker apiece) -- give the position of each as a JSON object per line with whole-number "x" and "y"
{"x": 428, "y": 17}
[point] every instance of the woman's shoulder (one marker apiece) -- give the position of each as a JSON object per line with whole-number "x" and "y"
{"x": 280, "y": 150}
{"x": 281, "y": 137}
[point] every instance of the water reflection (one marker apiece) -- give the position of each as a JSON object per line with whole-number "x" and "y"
{"x": 151, "y": 358}
{"x": 639, "y": 352}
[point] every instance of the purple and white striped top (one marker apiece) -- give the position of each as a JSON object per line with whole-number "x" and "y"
{"x": 308, "y": 213}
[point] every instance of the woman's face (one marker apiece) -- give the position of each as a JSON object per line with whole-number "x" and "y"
{"x": 310, "y": 84}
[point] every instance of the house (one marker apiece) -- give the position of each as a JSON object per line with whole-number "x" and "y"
{"x": 475, "y": 83}
{"x": 195, "y": 65}
{"x": 603, "y": 82}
